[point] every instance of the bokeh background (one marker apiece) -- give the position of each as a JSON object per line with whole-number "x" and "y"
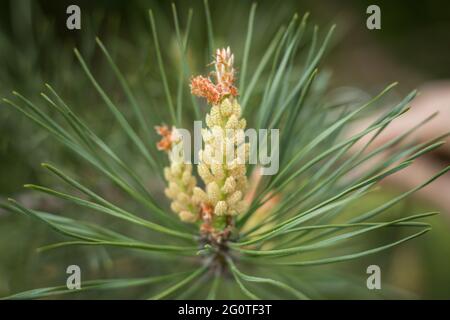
{"x": 412, "y": 47}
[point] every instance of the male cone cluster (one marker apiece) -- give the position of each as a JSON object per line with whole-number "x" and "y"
{"x": 222, "y": 161}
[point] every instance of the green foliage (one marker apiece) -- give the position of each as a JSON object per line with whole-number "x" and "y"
{"x": 318, "y": 181}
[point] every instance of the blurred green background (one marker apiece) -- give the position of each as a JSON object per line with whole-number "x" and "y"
{"x": 413, "y": 47}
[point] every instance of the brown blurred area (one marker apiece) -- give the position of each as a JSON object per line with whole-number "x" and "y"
{"x": 433, "y": 102}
